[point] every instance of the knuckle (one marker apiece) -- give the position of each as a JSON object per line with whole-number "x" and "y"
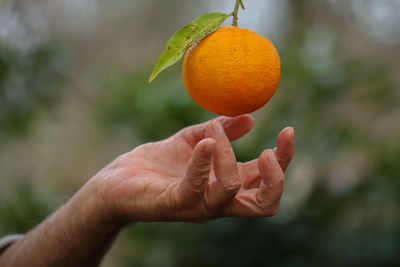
{"x": 226, "y": 150}
{"x": 210, "y": 211}
{"x": 236, "y": 183}
{"x": 279, "y": 181}
{"x": 201, "y": 164}
{"x": 232, "y": 188}
{"x": 181, "y": 135}
{"x": 192, "y": 194}
{"x": 284, "y": 160}
{"x": 197, "y": 187}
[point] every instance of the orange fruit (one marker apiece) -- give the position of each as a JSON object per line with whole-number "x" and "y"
{"x": 232, "y": 71}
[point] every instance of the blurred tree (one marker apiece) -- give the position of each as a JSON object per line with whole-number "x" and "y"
{"x": 339, "y": 90}
{"x": 27, "y": 83}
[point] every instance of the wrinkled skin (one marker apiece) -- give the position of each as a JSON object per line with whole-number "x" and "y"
{"x": 193, "y": 176}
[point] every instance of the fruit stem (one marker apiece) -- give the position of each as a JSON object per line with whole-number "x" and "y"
{"x": 235, "y": 12}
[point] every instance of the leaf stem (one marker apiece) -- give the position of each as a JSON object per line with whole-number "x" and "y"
{"x": 235, "y": 12}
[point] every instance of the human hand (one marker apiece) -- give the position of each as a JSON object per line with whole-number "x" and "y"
{"x": 193, "y": 176}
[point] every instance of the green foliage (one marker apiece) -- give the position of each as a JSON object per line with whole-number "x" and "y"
{"x": 23, "y": 209}
{"x": 185, "y": 37}
{"x": 342, "y": 102}
{"x": 129, "y": 103}
{"x": 27, "y": 84}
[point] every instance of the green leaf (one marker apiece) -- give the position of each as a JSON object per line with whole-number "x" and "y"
{"x": 185, "y": 37}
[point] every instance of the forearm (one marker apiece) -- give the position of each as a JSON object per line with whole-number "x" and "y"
{"x": 77, "y": 234}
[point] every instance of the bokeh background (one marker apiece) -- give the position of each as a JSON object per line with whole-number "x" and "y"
{"x": 74, "y": 95}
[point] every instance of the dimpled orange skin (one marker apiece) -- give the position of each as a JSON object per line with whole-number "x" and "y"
{"x": 232, "y": 71}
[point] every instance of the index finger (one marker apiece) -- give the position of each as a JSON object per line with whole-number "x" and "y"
{"x": 234, "y": 128}
{"x": 228, "y": 181}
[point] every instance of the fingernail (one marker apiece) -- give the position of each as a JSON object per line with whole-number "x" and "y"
{"x": 292, "y": 131}
{"x": 288, "y": 128}
{"x": 217, "y": 127}
{"x": 210, "y": 146}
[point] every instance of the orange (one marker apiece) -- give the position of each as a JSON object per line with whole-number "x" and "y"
{"x": 232, "y": 71}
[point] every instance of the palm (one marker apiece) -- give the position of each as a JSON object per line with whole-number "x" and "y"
{"x": 153, "y": 173}
{"x": 171, "y": 162}
{"x": 172, "y": 158}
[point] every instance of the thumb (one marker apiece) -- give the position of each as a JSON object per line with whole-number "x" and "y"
{"x": 194, "y": 183}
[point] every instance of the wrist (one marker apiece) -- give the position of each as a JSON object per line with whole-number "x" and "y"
{"x": 89, "y": 209}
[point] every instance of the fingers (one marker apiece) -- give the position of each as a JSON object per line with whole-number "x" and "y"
{"x": 194, "y": 183}
{"x": 262, "y": 201}
{"x": 250, "y": 174}
{"x": 234, "y": 128}
{"x": 285, "y": 148}
{"x": 262, "y": 178}
{"x": 272, "y": 179}
{"x": 228, "y": 181}
{"x": 284, "y": 152}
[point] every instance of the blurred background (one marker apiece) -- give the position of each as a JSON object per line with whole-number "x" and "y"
{"x": 74, "y": 95}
